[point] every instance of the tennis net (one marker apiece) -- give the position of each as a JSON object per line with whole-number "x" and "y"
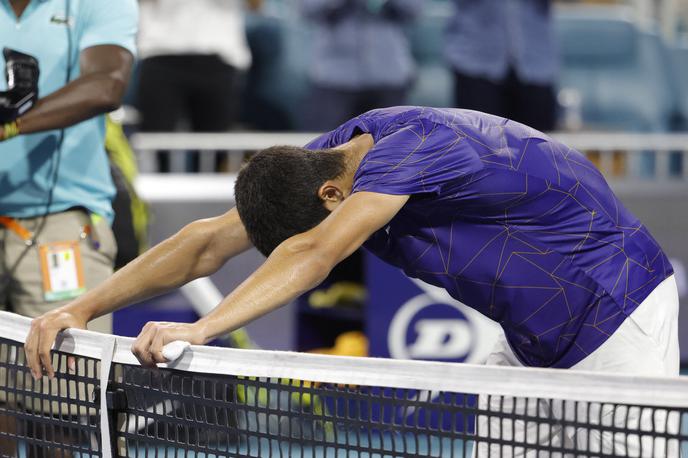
{"x": 218, "y": 402}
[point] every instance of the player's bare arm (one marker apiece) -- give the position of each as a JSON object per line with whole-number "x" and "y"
{"x": 203, "y": 246}
{"x": 104, "y": 73}
{"x": 197, "y": 250}
{"x": 295, "y": 266}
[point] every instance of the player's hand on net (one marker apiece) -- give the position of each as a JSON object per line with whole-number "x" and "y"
{"x": 41, "y": 338}
{"x": 148, "y": 347}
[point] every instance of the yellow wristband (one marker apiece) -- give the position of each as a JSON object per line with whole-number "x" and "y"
{"x": 10, "y": 130}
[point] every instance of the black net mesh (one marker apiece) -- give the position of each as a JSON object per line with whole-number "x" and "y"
{"x": 173, "y": 413}
{"x": 168, "y": 412}
{"x": 52, "y": 418}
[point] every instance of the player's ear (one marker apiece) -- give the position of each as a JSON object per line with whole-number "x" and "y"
{"x": 331, "y": 194}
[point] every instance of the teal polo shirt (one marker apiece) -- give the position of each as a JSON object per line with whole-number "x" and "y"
{"x": 27, "y": 162}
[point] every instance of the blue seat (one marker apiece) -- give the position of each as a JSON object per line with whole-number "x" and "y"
{"x": 294, "y": 81}
{"x": 619, "y": 71}
{"x": 433, "y": 85}
{"x": 276, "y": 84}
{"x": 622, "y": 74}
{"x": 679, "y": 59}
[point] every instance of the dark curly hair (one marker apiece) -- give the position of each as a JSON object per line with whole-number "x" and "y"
{"x": 277, "y": 192}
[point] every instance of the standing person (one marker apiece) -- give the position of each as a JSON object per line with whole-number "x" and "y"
{"x": 507, "y": 220}
{"x": 193, "y": 54}
{"x": 55, "y": 183}
{"x": 504, "y": 59}
{"x": 361, "y": 57}
{"x": 361, "y": 60}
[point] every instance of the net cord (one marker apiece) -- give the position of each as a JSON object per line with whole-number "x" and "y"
{"x": 420, "y": 375}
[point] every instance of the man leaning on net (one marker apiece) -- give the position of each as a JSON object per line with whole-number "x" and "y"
{"x": 507, "y": 220}
{"x": 67, "y": 63}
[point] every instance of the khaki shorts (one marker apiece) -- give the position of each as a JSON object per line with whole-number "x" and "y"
{"x": 21, "y": 292}
{"x": 21, "y": 280}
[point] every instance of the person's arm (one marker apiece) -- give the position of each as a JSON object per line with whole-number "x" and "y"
{"x": 105, "y": 71}
{"x": 297, "y": 265}
{"x": 198, "y": 250}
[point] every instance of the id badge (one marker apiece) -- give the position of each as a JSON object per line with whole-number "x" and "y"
{"x": 63, "y": 275}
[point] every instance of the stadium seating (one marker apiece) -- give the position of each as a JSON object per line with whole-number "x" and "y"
{"x": 271, "y": 90}
{"x": 679, "y": 58}
{"x": 433, "y": 85}
{"x": 618, "y": 70}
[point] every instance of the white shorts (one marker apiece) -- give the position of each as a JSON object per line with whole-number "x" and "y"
{"x": 645, "y": 344}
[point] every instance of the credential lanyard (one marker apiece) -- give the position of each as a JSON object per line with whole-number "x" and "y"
{"x": 14, "y": 226}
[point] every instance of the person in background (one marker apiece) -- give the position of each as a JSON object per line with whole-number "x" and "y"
{"x": 55, "y": 185}
{"x": 504, "y": 59}
{"x": 361, "y": 57}
{"x": 193, "y": 54}
{"x": 361, "y": 60}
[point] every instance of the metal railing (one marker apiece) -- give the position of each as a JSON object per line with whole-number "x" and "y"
{"x": 229, "y": 148}
{"x": 620, "y": 156}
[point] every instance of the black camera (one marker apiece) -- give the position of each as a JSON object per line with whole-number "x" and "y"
{"x": 21, "y": 74}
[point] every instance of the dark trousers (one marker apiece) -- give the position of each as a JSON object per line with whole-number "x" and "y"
{"x": 200, "y": 90}
{"x": 329, "y": 107}
{"x": 530, "y": 104}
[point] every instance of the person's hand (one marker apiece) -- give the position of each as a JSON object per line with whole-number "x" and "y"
{"x": 148, "y": 345}
{"x": 41, "y": 338}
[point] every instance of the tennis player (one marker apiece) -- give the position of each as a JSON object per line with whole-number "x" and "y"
{"x": 507, "y": 220}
